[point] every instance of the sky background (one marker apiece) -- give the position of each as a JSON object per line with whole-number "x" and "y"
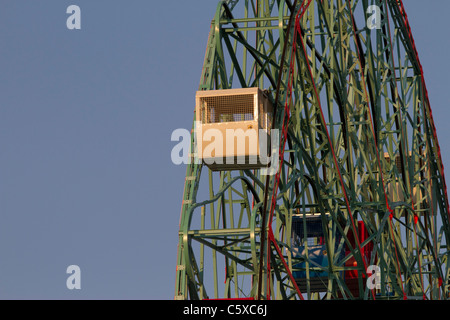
{"x": 86, "y": 118}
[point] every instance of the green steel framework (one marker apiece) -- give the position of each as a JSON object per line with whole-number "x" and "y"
{"x": 349, "y": 100}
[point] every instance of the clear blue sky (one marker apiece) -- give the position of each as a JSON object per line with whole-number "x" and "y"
{"x": 86, "y": 118}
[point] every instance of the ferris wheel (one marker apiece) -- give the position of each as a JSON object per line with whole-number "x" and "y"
{"x": 315, "y": 170}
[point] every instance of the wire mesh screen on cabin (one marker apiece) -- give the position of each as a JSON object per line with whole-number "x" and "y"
{"x": 398, "y": 162}
{"x": 265, "y": 117}
{"x": 231, "y": 108}
{"x": 315, "y": 233}
{"x": 313, "y": 228}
